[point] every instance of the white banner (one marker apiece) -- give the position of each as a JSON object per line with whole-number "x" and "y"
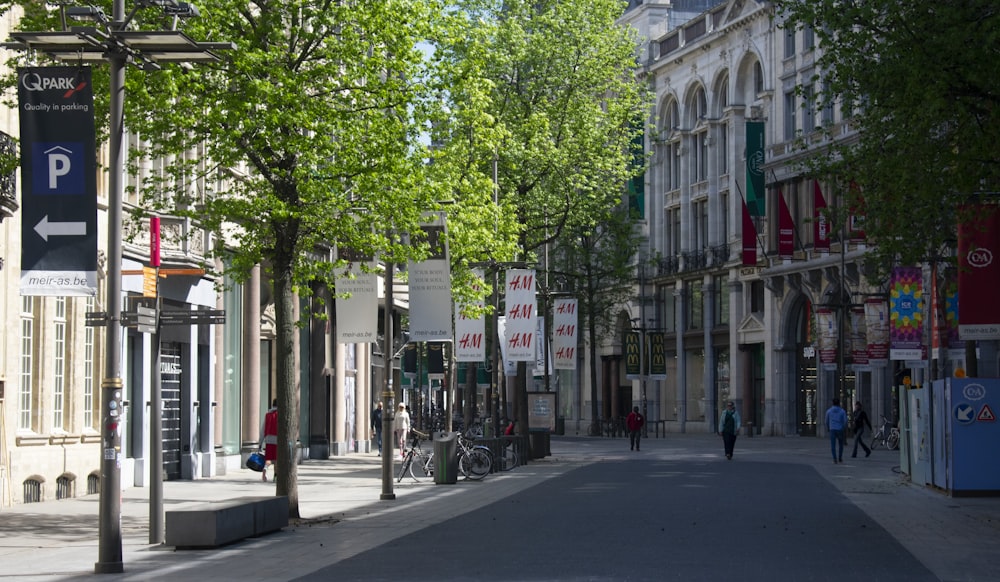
{"x": 509, "y": 366}
{"x": 539, "y": 355}
{"x": 564, "y": 334}
{"x": 357, "y": 315}
{"x": 470, "y": 333}
{"x": 521, "y": 315}
{"x": 430, "y": 289}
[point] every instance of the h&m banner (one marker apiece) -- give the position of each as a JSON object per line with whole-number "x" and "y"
{"x": 520, "y": 324}
{"x": 564, "y": 333}
{"x": 430, "y": 287}
{"x": 906, "y": 314}
{"x": 470, "y": 332}
{"x": 755, "y": 168}
{"x": 979, "y": 272}
{"x": 357, "y": 301}
{"x": 58, "y": 182}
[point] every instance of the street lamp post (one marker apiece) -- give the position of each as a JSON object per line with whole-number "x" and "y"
{"x": 110, "y": 41}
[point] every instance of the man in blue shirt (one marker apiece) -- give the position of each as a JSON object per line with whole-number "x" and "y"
{"x": 836, "y": 422}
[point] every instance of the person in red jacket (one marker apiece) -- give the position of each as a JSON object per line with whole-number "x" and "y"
{"x": 269, "y": 437}
{"x": 634, "y": 422}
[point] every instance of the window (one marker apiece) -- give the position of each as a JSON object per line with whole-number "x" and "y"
{"x": 757, "y": 297}
{"x": 721, "y": 285}
{"x": 790, "y": 112}
{"x": 758, "y": 78}
{"x": 64, "y": 487}
{"x": 32, "y": 490}
{"x": 669, "y": 310}
{"x": 808, "y": 109}
{"x": 695, "y": 305}
{"x": 808, "y": 38}
{"x": 827, "y": 113}
{"x": 88, "y": 371}
{"x": 789, "y": 42}
{"x": 673, "y": 241}
{"x": 672, "y": 165}
{"x": 699, "y": 161}
{"x": 724, "y": 218}
{"x": 59, "y": 365}
{"x": 93, "y": 484}
{"x": 26, "y": 396}
{"x": 699, "y": 210}
{"x": 723, "y": 149}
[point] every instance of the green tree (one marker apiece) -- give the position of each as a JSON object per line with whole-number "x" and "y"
{"x": 598, "y": 264}
{"x": 563, "y": 99}
{"x": 310, "y": 134}
{"x": 920, "y": 81}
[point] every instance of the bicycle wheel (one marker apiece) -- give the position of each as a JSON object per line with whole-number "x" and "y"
{"x": 476, "y": 464}
{"x": 405, "y": 467}
{"x": 509, "y": 459}
{"x": 421, "y": 467}
{"x": 893, "y": 441}
{"x": 875, "y": 441}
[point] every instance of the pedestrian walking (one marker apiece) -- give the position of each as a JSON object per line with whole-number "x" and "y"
{"x": 401, "y": 427}
{"x": 377, "y": 426}
{"x": 729, "y": 427}
{"x": 860, "y": 422}
{"x": 836, "y": 422}
{"x": 634, "y": 422}
{"x": 269, "y": 438}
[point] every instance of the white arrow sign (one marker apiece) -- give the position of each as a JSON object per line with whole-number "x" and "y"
{"x": 45, "y": 229}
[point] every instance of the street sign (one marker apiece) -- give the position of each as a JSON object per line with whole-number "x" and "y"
{"x": 59, "y": 185}
{"x": 149, "y": 282}
{"x": 145, "y": 319}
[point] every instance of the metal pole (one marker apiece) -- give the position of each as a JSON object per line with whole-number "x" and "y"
{"x": 495, "y": 336}
{"x": 156, "y": 436}
{"x": 389, "y": 409}
{"x": 109, "y": 559}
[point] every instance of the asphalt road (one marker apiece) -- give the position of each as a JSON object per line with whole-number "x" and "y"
{"x": 641, "y": 518}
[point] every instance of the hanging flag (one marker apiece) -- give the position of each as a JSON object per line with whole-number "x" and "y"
{"x": 821, "y": 227}
{"x": 520, "y": 324}
{"x": 826, "y": 323}
{"x": 859, "y": 339}
{"x": 755, "y": 168}
{"x": 749, "y": 238}
{"x": 906, "y": 314}
{"x": 877, "y": 330}
{"x": 786, "y": 230}
{"x": 470, "y": 332}
{"x": 657, "y": 342}
{"x": 356, "y": 304}
{"x": 979, "y": 272}
{"x": 564, "y": 333}
{"x": 430, "y": 287}
{"x": 633, "y": 355}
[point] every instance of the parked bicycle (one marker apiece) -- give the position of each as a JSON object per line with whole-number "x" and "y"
{"x": 475, "y": 461}
{"x": 887, "y": 435}
{"x": 416, "y": 461}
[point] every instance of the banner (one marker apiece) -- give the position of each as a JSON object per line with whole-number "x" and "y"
{"x": 755, "y": 168}
{"x": 877, "y": 330}
{"x": 821, "y": 227}
{"x": 657, "y": 342}
{"x": 520, "y": 326}
{"x": 470, "y": 332}
{"x": 633, "y": 355}
{"x": 826, "y": 322}
{"x": 435, "y": 361}
{"x": 979, "y": 272}
{"x": 540, "y": 342}
{"x": 430, "y": 288}
{"x": 357, "y": 312}
{"x": 564, "y": 333}
{"x": 906, "y": 314}
{"x": 786, "y": 230}
{"x": 859, "y": 339}
{"x": 58, "y": 182}
{"x": 749, "y": 239}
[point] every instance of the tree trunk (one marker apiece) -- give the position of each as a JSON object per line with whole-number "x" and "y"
{"x": 286, "y": 476}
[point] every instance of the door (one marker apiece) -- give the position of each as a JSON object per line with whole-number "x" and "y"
{"x": 170, "y": 380}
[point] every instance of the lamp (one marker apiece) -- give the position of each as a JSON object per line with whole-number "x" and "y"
{"x": 86, "y": 14}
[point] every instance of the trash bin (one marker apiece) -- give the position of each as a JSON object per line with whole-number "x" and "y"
{"x": 445, "y": 458}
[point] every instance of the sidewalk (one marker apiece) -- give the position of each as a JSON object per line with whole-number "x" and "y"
{"x": 956, "y": 538}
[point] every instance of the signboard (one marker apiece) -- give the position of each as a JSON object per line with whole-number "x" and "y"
{"x": 470, "y": 332}
{"x": 59, "y": 185}
{"x": 542, "y": 411}
{"x": 564, "y": 333}
{"x": 520, "y": 322}
{"x": 430, "y": 288}
{"x": 357, "y": 300}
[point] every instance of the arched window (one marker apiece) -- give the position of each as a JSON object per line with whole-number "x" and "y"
{"x": 33, "y": 489}
{"x": 93, "y": 484}
{"x": 65, "y": 485}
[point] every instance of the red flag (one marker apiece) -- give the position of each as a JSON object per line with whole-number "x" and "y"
{"x": 786, "y": 230}
{"x": 979, "y": 272}
{"x": 821, "y": 228}
{"x": 749, "y": 237}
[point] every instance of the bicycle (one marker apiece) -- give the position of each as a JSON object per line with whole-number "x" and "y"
{"x": 415, "y": 461}
{"x": 887, "y": 435}
{"x": 474, "y": 461}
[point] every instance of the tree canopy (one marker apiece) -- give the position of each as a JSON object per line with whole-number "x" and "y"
{"x": 920, "y": 81}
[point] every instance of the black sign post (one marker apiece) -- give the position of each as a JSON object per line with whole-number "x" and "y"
{"x": 59, "y": 185}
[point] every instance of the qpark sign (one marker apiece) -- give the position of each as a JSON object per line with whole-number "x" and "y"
{"x": 59, "y": 186}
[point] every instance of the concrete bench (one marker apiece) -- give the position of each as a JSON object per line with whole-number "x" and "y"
{"x": 208, "y": 525}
